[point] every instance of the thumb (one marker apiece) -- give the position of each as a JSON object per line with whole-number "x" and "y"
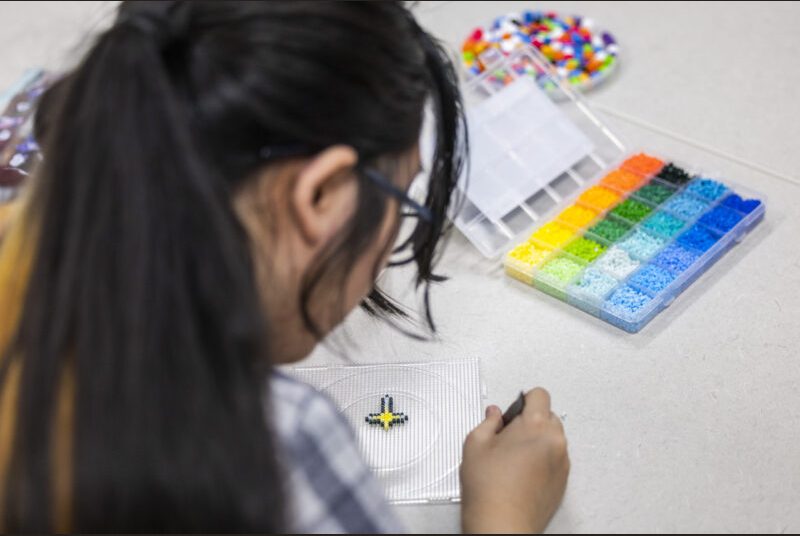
{"x": 492, "y": 424}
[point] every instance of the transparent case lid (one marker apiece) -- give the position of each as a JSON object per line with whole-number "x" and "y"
{"x": 415, "y": 450}
{"x": 529, "y": 151}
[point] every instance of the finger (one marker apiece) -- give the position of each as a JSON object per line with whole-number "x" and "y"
{"x": 537, "y": 401}
{"x": 492, "y": 410}
{"x": 492, "y": 424}
{"x": 557, "y": 422}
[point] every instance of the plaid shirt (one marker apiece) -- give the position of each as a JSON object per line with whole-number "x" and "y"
{"x": 330, "y": 487}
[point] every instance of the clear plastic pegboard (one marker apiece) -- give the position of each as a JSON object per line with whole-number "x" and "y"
{"x": 415, "y": 447}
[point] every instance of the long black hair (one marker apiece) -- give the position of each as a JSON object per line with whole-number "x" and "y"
{"x": 143, "y": 287}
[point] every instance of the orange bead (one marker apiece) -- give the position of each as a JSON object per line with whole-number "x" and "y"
{"x": 643, "y": 164}
{"x": 577, "y": 215}
{"x": 599, "y": 197}
{"x": 622, "y": 180}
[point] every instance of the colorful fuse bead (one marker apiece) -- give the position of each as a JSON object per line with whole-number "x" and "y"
{"x": 562, "y": 269}
{"x": 642, "y": 164}
{"x": 651, "y": 279}
{"x": 698, "y": 238}
{"x": 632, "y": 210}
{"x": 585, "y": 249}
{"x": 617, "y": 263}
{"x": 599, "y": 197}
{"x": 654, "y": 193}
{"x": 745, "y": 206}
{"x": 673, "y": 175}
{"x": 530, "y": 254}
{"x": 580, "y": 54}
{"x": 594, "y": 283}
{"x": 610, "y": 229}
{"x": 626, "y": 302}
{"x": 620, "y": 179}
{"x": 707, "y": 188}
{"x": 577, "y": 215}
{"x": 721, "y": 218}
{"x": 553, "y": 234}
{"x": 641, "y": 245}
{"x": 653, "y": 241}
{"x": 685, "y": 206}
{"x": 675, "y": 258}
{"x": 663, "y": 224}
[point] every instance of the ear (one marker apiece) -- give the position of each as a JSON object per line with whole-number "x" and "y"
{"x": 324, "y": 194}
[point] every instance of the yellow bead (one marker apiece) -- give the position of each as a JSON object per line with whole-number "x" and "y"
{"x": 553, "y": 234}
{"x": 577, "y": 215}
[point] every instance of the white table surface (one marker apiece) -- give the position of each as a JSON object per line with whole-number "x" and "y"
{"x": 694, "y": 423}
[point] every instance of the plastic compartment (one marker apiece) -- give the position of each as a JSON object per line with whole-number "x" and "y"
{"x": 557, "y": 273}
{"x": 416, "y": 461}
{"x": 658, "y": 237}
{"x": 531, "y": 154}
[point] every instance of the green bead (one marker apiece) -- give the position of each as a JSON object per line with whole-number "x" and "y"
{"x": 632, "y": 210}
{"x": 610, "y": 229}
{"x": 585, "y": 249}
{"x": 562, "y": 269}
{"x": 654, "y": 193}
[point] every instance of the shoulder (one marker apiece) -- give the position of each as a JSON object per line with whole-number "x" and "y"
{"x": 312, "y": 430}
{"x": 300, "y": 408}
{"x": 331, "y": 488}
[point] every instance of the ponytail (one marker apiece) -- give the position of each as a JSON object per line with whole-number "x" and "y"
{"x": 143, "y": 290}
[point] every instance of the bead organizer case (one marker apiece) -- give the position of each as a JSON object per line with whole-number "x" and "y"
{"x": 410, "y": 420}
{"x": 634, "y": 240}
{"x": 574, "y": 212}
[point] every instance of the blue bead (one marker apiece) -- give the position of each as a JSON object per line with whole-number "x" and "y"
{"x": 594, "y": 283}
{"x": 664, "y": 224}
{"x": 721, "y": 218}
{"x": 651, "y": 279}
{"x": 685, "y": 206}
{"x": 626, "y": 302}
{"x": 707, "y": 188}
{"x": 745, "y": 206}
{"x": 641, "y": 245}
{"x": 675, "y": 259}
{"x": 698, "y": 238}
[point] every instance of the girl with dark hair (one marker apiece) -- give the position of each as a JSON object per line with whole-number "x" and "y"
{"x": 221, "y": 184}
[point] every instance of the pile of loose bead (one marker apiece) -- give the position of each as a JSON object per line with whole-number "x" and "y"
{"x": 663, "y": 224}
{"x": 626, "y": 301}
{"x": 651, "y": 279}
{"x": 579, "y": 55}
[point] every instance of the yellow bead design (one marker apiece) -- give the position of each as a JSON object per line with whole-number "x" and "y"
{"x": 387, "y": 417}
